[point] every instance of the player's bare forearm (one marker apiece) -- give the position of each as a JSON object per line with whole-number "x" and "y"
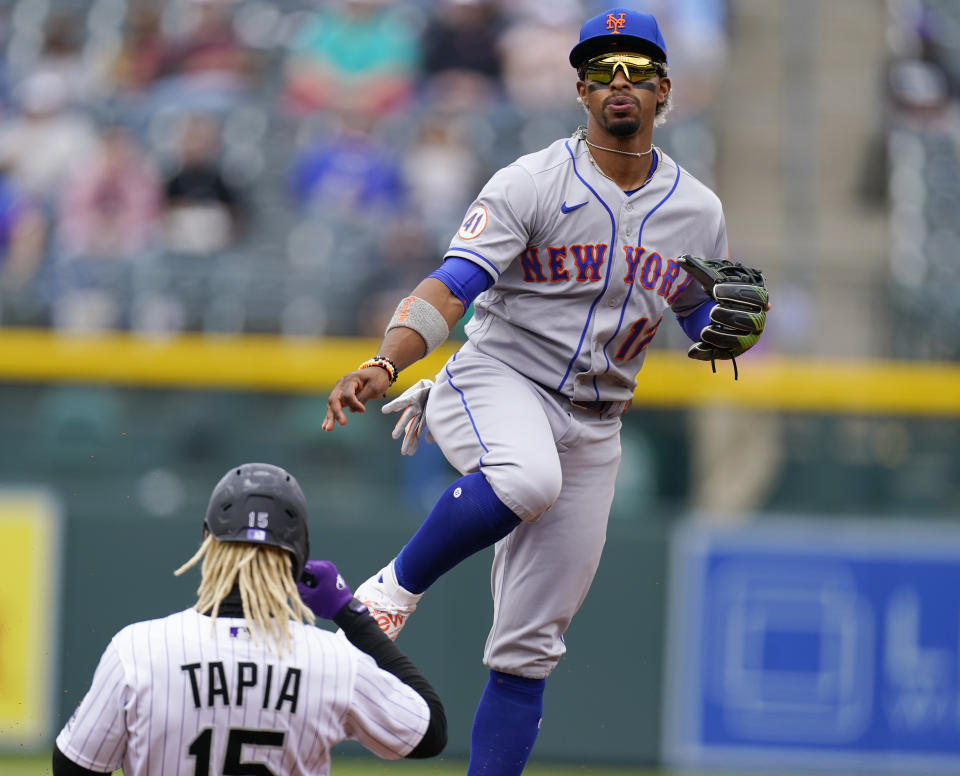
{"x": 401, "y": 345}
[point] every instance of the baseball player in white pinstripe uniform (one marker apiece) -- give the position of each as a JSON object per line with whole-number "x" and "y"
{"x": 242, "y": 683}
{"x": 573, "y": 256}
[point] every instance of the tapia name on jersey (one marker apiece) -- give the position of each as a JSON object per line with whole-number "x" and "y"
{"x": 262, "y": 684}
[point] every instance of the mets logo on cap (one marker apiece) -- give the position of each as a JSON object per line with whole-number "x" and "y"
{"x": 615, "y": 22}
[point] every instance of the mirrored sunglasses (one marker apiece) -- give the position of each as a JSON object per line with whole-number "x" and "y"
{"x": 636, "y": 68}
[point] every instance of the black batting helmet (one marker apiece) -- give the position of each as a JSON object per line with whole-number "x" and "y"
{"x": 261, "y": 504}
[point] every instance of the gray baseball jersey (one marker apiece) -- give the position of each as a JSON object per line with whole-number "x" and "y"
{"x": 583, "y": 275}
{"x": 583, "y": 272}
{"x": 173, "y": 696}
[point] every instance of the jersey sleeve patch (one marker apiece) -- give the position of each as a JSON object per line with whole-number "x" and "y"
{"x": 474, "y": 223}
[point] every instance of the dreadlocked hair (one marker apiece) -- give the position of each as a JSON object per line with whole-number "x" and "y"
{"x": 262, "y": 572}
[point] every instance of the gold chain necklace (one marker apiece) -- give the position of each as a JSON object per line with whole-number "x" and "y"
{"x": 582, "y": 134}
{"x": 597, "y": 167}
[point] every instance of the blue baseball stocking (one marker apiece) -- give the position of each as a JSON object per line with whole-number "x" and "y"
{"x": 466, "y": 518}
{"x": 505, "y": 726}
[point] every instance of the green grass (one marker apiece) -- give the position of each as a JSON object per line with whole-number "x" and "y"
{"x": 24, "y": 766}
{"x": 444, "y": 767}
{"x": 40, "y": 766}
{"x": 347, "y": 766}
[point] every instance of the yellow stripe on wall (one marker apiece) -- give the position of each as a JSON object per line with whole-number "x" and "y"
{"x": 250, "y": 362}
{"x": 263, "y": 363}
{"x": 825, "y": 385}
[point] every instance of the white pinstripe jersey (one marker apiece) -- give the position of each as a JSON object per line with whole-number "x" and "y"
{"x": 583, "y": 273}
{"x": 171, "y": 697}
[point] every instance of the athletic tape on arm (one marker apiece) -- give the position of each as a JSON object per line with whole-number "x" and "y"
{"x": 421, "y": 316}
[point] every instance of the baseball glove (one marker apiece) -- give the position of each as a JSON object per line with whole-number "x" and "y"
{"x": 737, "y": 320}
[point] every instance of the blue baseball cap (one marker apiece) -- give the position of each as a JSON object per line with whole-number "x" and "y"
{"x": 619, "y": 29}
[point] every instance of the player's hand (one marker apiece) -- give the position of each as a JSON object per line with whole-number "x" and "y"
{"x": 411, "y": 424}
{"x": 322, "y": 589}
{"x": 352, "y": 392}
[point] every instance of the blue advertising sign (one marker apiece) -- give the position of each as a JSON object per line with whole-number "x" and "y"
{"x": 823, "y": 644}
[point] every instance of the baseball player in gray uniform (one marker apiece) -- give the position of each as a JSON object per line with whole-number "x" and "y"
{"x": 572, "y": 255}
{"x": 243, "y": 682}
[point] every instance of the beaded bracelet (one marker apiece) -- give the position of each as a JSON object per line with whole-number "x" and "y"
{"x": 384, "y": 363}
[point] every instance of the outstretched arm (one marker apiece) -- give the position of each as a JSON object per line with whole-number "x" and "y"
{"x": 363, "y": 632}
{"x": 403, "y": 346}
{"x": 323, "y": 589}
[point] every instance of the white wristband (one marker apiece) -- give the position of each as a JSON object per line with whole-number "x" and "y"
{"x": 421, "y": 316}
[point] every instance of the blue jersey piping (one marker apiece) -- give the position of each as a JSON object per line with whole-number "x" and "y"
{"x": 623, "y": 308}
{"x": 606, "y": 279}
{"x": 484, "y": 259}
{"x": 463, "y": 401}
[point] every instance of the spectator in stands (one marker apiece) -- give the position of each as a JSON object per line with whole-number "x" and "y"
{"x": 461, "y": 55}
{"x": 203, "y": 211}
{"x": 23, "y": 237}
{"x": 535, "y": 46}
{"x": 441, "y": 172}
{"x": 206, "y": 67}
{"x": 61, "y": 55}
{"x": 43, "y": 145}
{"x": 111, "y": 203}
{"x": 140, "y": 57}
{"x": 348, "y": 171}
{"x": 361, "y": 55}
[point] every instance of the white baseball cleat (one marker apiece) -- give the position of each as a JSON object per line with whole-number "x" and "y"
{"x": 390, "y": 605}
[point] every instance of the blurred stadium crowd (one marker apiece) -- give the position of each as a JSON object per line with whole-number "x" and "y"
{"x": 921, "y": 180}
{"x": 288, "y": 166}
{"x": 281, "y": 166}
